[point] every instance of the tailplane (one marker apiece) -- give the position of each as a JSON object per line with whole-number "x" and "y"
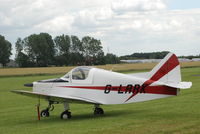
{"x": 167, "y": 72}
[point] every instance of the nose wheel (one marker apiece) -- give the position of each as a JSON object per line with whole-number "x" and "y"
{"x": 45, "y": 112}
{"x": 98, "y": 110}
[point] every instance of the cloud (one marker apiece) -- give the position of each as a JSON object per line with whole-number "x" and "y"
{"x": 137, "y": 5}
{"x": 93, "y": 17}
{"x": 175, "y": 31}
{"x": 60, "y": 23}
{"x": 125, "y": 26}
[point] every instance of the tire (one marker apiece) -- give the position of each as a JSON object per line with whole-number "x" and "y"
{"x": 44, "y": 113}
{"x": 101, "y": 111}
{"x": 65, "y": 115}
{"x": 98, "y": 111}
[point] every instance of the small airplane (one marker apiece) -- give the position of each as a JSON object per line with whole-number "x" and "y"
{"x": 98, "y": 86}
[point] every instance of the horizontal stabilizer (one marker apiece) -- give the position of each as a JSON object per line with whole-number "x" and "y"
{"x": 181, "y": 85}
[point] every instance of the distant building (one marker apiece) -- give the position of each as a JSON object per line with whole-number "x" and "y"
{"x": 157, "y": 60}
{"x": 141, "y": 61}
{"x": 184, "y": 60}
{"x": 196, "y": 59}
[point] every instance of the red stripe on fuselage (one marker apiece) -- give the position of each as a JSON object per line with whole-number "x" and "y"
{"x": 161, "y": 90}
{"x": 150, "y": 89}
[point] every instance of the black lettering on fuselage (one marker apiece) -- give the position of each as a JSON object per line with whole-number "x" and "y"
{"x": 136, "y": 88}
{"x": 119, "y": 90}
{"x": 107, "y": 89}
{"x": 142, "y": 90}
{"x": 128, "y": 89}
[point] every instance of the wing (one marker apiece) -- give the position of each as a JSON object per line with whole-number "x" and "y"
{"x": 57, "y": 98}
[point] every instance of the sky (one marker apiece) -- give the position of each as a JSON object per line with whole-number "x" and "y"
{"x": 123, "y": 26}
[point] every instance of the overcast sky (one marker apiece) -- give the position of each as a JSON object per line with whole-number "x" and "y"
{"x": 123, "y": 26}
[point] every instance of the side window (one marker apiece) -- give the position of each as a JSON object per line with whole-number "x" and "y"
{"x": 80, "y": 73}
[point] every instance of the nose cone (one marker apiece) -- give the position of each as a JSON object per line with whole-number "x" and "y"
{"x": 28, "y": 85}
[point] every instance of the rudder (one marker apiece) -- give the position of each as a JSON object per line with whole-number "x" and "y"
{"x": 167, "y": 70}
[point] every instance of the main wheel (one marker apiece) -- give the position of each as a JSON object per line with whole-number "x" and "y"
{"x": 65, "y": 115}
{"x": 98, "y": 111}
{"x": 44, "y": 113}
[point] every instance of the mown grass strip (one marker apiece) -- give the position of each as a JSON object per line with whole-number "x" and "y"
{"x": 4, "y": 72}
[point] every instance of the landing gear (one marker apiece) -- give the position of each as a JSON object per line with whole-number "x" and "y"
{"x": 98, "y": 110}
{"x": 66, "y": 114}
{"x": 45, "y": 112}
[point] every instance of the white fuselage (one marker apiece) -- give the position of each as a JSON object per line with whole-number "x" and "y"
{"x": 102, "y": 87}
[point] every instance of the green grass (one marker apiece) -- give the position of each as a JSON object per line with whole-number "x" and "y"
{"x": 174, "y": 115}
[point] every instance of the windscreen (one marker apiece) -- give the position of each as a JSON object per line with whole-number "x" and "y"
{"x": 80, "y": 73}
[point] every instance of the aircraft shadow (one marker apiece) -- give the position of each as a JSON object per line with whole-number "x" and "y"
{"x": 106, "y": 115}
{"x": 81, "y": 117}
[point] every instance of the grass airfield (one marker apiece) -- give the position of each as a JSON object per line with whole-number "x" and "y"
{"x": 174, "y": 115}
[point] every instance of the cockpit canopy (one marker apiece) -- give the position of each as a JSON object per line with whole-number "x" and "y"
{"x": 79, "y": 73}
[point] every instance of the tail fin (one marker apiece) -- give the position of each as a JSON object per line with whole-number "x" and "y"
{"x": 163, "y": 81}
{"x": 168, "y": 72}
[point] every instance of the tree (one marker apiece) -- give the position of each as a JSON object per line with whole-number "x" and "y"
{"x": 76, "y": 51}
{"x": 21, "y": 58}
{"x": 76, "y": 45}
{"x": 62, "y": 44}
{"x": 100, "y": 58}
{"x": 92, "y": 50}
{"x": 40, "y": 49}
{"x": 19, "y": 45}
{"x": 111, "y": 59}
{"x": 5, "y": 50}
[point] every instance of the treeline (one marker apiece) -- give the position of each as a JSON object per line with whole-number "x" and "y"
{"x": 41, "y": 50}
{"x": 190, "y": 56}
{"x": 152, "y": 55}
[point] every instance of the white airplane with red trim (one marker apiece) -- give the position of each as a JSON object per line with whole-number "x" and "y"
{"x": 97, "y": 86}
